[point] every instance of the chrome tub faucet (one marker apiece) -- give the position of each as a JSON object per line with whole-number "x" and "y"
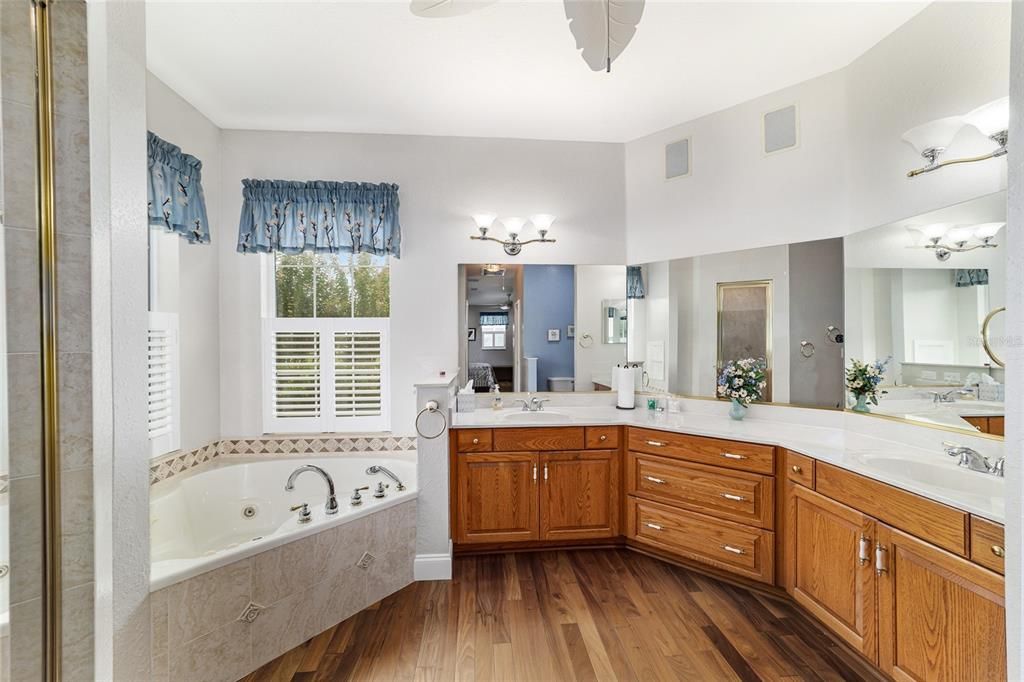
{"x": 331, "y": 506}
{"x": 377, "y": 469}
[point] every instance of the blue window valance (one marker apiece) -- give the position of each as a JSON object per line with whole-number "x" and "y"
{"x": 500, "y": 319}
{"x": 634, "y": 282}
{"x": 319, "y": 216}
{"x": 970, "y": 278}
{"x": 176, "y": 201}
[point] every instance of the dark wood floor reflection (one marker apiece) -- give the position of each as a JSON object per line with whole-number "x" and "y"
{"x": 580, "y": 615}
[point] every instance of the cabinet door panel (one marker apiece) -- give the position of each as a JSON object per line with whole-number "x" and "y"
{"x": 826, "y": 573}
{"x": 497, "y": 497}
{"x": 579, "y": 495}
{"x": 940, "y": 617}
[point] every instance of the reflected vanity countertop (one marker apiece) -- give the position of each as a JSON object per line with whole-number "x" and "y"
{"x": 927, "y": 472}
{"x": 927, "y": 411}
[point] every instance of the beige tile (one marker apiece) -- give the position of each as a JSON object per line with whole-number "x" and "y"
{"x": 349, "y": 543}
{"x": 26, "y": 640}
{"x": 17, "y": 52}
{"x": 290, "y": 568}
{"x": 158, "y": 607}
{"x": 77, "y": 527}
{"x": 77, "y": 634}
{"x": 74, "y": 305}
{"x": 71, "y": 177}
{"x": 5, "y": 658}
{"x": 160, "y": 669}
{"x": 75, "y": 409}
{"x": 392, "y": 528}
{"x": 26, "y": 539}
{"x": 22, "y": 272}
{"x": 222, "y": 655}
{"x": 19, "y": 161}
{"x": 208, "y": 601}
{"x": 70, "y": 59}
{"x": 24, "y": 414}
{"x": 344, "y": 596}
{"x": 389, "y": 573}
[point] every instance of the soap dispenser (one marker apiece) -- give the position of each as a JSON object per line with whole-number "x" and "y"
{"x": 495, "y": 397}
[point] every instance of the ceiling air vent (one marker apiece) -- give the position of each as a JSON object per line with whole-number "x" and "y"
{"x": 677, "y": 159}
{"x": 780, "y": 130}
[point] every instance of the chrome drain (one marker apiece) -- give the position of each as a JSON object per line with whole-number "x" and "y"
{"x": 249, "y": 511}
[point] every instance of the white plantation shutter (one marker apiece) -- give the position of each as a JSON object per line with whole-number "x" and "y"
{"x": 325, "y": 375}
{"x": 164, "y": 390}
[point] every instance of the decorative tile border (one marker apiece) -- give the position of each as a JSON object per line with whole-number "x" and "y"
{"x": 177, "y": 462}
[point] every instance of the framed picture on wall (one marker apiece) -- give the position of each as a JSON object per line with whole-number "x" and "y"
{"x": 570, "y": 331}
{"x": 554, "y": 335}
{"x": 472, "y": 334}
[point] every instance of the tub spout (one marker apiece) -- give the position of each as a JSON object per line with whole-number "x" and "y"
{"x": 377, "y": 469}
{"x": 331, "y": 507}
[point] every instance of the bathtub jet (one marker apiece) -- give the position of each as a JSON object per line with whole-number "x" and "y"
{"x": 331, "y": 507}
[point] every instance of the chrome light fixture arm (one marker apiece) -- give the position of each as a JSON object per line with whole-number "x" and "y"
{"x": 513, "y": 246}
{"x": 932, "y": 155}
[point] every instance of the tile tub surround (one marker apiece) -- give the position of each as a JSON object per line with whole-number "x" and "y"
{"x": 174, "y": 463}
{"x": 225, "y": 623}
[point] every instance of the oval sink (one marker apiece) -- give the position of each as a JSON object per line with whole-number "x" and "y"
{"x": 948, "y": 477}
{"x": 535, "y": 417}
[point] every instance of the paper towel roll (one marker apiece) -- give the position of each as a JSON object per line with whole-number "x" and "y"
{"x": 625, "y": 388}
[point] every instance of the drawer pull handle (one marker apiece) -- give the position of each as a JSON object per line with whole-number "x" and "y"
{"x": 535, "y": 472}
{"x": 653, "y": 525}
{"x": 652, "y": 479}
{"x": 733, "y": 455}
{"x": 797, "y": 469}
{"x": 656, "y": 443}
{"x": 998, "y": 551}
{"x": 881, "y": 564}
{"x": 476, "y": 441}
{"x": 865, "y": 547}
{"x": 734, "y": 550}
{"x": 603, "y": 437}
{"x": 545, "y": 471}
{"x": 735, "y": 498}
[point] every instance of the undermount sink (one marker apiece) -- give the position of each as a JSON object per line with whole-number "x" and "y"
{"x": 939, "y": 475}
{"x": 535, "y": 417}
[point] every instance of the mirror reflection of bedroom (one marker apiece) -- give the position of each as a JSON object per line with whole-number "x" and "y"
{"x": 528, "y": 328}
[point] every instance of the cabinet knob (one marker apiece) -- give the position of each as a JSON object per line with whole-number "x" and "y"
{"x": 797, "y": 469}
{"x": 603, "y": 438}
{"x": 998, "y": 551}
{"x": 476, "y": 441}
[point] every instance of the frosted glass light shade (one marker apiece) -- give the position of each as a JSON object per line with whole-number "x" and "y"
{"x": 934, "y": 231}
{"x": 542, "y": 221}
{"x": 991, "y": 118}
{"x": 514, "y": 225}
{"x": 960, "y": 234}
{"x": 987, "y": 230}
{"x": 484, "y": 220}
{"x": 938, "y": 133}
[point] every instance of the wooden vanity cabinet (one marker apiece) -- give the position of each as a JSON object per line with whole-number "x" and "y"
{"x": 579, "y": 495}
{"x": 496, "y": 495}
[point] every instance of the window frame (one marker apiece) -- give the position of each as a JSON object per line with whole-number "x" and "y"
{"x": 491, "y": 330}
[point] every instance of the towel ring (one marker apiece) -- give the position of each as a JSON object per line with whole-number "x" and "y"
{"x": 985, "y": 341}
{"x": 431, "y": 407}
{"x": 586, "y": 341}
{"x": 806, "y": 349}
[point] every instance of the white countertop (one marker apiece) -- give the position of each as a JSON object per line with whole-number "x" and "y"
{"x": 927, "y": 472}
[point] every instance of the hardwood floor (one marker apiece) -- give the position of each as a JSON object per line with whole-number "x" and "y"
{"x": 580, "y": 615}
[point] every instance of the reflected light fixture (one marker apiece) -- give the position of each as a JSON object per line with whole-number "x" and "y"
{"x": 933, "y": 138}
{"x": 515, "y": 227}
{"x": 946, "y": 239}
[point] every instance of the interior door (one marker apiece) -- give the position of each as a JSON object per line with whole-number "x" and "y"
{"x": 940, "y": 616}
{"x": 830, "y": 571}
{"x": 579, "y": 495}
{"x": 497, "y": 497}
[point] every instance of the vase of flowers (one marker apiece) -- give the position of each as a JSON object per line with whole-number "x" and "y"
{"x": 742, "y": 382}
{"x": 862, "y": 380}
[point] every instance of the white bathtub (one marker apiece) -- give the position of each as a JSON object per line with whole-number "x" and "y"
{"x": 205, "y": 520}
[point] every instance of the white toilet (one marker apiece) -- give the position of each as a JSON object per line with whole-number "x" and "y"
{"x": 561, "y": 384}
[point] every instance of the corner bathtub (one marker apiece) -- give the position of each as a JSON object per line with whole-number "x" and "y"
{"x": 238, "y": 507}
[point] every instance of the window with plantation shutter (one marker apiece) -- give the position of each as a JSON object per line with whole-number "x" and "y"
{"x": 326, "y": 346}
{"x": 163, "y": 384}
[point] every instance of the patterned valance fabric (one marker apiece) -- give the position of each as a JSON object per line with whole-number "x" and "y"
{"x": 970, "y": 278}
{"x": 319, "y": 216}
{"x": 176, "y": 201}
{"x": 494, "y": 319}
{"x": 634, "y": 282}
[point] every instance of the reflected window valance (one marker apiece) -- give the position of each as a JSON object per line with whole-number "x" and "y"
{"x": 970, "y": 278}
{"x": 176, "y": 201}
{"x": 319, "y": 216}
{"x": 634, "y": 282}
{"x": 500, "y": 319}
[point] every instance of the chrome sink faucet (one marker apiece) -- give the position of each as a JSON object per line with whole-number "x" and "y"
{"x": 532, "y": 403}
{"x": 949, "y": 396}
{"x": 331, "y": 506}
{"x": 973, "y": 460}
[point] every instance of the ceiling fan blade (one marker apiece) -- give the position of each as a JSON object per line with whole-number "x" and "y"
{"x": 442, "y": 9}
{"x": 603, "y": 28}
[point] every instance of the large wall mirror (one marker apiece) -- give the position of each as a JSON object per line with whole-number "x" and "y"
{"x": 918, "y": 294}
{"x": 782, "y": 304}
{"x": 541, "y": 327}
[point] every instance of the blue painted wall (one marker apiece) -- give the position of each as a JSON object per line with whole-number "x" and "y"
{"x": 549, "y": 303}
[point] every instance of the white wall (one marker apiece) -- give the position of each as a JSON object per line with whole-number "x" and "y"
{"x": 594, "y": 284}
{"x": 848, "y": 172}
{"x": 196, "y": 269}
{"x": 443, "y": 181}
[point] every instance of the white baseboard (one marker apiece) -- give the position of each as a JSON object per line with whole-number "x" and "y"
{"x": 433, "y": 566}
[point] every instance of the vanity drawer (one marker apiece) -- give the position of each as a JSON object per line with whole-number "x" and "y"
{"x": 473, "y": 440}
{"x": 729, "y": 546}
{"x": 724, "y": 453}
{"x": 987, "y": 544}
{"x": 602, "y": 437}
{"x": 538, "y": 438}
{"x": 800, "y": 469}
{"x": 733, "y": 495}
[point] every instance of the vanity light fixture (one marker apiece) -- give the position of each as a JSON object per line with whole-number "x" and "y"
{"x": 946, "y": 239}
{"x": 515, "y": 228}
{"x": 933, "y": 138}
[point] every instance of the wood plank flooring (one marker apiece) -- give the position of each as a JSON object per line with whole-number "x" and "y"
{"x": 579, "y": 615}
